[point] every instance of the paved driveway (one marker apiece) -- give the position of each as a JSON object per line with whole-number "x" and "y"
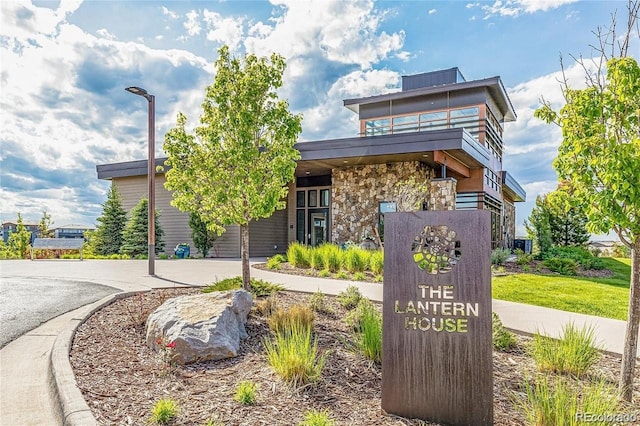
{"x": 25, "y": 302}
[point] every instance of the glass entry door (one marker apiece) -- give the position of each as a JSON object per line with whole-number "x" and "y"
{"x": 318, "y": 231}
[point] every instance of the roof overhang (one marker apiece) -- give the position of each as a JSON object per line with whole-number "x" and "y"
{"x": 493, "y": 84}
{"x": 512, "y": 189}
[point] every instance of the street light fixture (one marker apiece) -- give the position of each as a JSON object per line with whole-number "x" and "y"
{"x": 151, "y": 174}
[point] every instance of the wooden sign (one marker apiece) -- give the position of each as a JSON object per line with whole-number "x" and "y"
{"x": 437, "y": 340}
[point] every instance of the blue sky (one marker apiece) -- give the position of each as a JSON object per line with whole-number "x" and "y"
{"x": 65, "y": 64}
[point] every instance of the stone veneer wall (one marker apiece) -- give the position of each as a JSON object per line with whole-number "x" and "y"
{"x": 442, "y": 194}
{"x": 357, "y": 190}
{"x": 509, "y": 215}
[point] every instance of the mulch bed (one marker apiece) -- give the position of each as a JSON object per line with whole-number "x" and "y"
{"x": 121, "y": 378}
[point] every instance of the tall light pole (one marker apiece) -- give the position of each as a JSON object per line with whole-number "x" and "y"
{"x": 151, "y": 175}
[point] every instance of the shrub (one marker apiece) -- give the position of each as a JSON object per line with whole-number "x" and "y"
{"x": 499, "y": 256}
{"x": 561, "y": 265}
{"x": 556, "y": 402}
{"x": 574, "y": 353}
{"x": 298, "y": 255}
{"x": 317, "y": 418}
{"x": 246, "y": 393}
{"x": 332, "y": 257}
{"x": 294, "y": 356}
{"x": 164, "y": 411}
{"x": 213, "y": 421}
{"x": 378, "y": 278}
{"x": 267, "y": 306}
{"x": 503, "y": 339}
{"x": 369, "y": 334}
{"x": 359, "y": 276}
{"x": 579, "y": 255}
{"x": 296, "y": 316}
{"x": 259, "y": 288}
{"x": 376, "y": 262}
{"x": 349, "y": 298}
{"x": 318, "y": 304}
{"x": 274, "y": 262}
{"x": 354, "y": 317}
{"x": 522, "y": 258}
{"x": 355, "y": 260}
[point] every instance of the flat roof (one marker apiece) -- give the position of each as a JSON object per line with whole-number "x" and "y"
{"x": 494, "y": 84}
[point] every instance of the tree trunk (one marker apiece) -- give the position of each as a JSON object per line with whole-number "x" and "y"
{"x": 633, "y": 324}
{"x": 244, "y": 253}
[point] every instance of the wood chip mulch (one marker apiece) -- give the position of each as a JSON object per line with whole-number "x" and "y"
{"x": 121, "y": 378}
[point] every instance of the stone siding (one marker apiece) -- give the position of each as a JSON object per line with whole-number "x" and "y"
{"x": 357, "y": 190}
{"x": 442, "y": 194}
{"x": 509, "y": 215}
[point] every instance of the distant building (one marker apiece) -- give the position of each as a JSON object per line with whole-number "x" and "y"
{"x": 9, "y": 227}
{"x": 71, "y": 231}
{"x": 605, "y": 248}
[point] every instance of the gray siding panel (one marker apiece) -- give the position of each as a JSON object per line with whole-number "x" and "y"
{"x": 264, "y": 234}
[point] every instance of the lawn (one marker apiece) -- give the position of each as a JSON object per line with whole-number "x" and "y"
{"x": 603, "y": 297}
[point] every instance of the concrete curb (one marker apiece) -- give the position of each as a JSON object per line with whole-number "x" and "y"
{"x": 72, "y": 409}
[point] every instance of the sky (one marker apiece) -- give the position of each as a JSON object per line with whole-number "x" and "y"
{"x": 64, "y": 66}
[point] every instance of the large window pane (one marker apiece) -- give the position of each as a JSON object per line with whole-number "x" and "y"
{"x": 300, "y": 229}
{"x": 313, "y": 198}
{"x": 464, "y": 112}
{"x": 300, "y": 199}
{"x": 405, "y": 120}
{"x": 430, "y": 116}
{"x": 324, "y": 198}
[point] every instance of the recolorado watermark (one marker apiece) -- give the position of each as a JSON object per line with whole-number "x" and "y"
{"x": 608, "y": 417}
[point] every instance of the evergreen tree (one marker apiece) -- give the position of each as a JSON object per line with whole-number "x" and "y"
{"x": 134, "y": 236}
{"x": 108, "y": 234}
{"x": 538, "y": 226}
{"x": 202, "y": 237}
{"x": 569, "y": 228}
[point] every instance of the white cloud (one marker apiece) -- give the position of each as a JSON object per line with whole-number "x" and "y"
{"x": 515, "y": 8}
{"x": 169, "y": 13}
{"x": 104, "y": 33}
{"x": 432, "y": 11}
{"x": 229, "y": 31}
{"x": 192, "y": 24}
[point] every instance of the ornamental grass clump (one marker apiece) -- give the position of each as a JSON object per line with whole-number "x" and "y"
{"x": 315, "y": 258}
{"x": 332, "y": 257}
{"x": 274, "y": 262}
{"x": 369, "y": 334}
{"x": 293, "y": 355}
{"x": 298, "y": 255}
{"x": 282, "y": 320}
{"x": 246, "y": 393}
{"x": 315, "y": 417}
{"x": 574, "y": 353}
{"x": 164, "y": 411}
{"x": 376, "y": 262}
{"x": 356, "y": 260}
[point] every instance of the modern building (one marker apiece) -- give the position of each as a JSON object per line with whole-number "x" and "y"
{"x": 71, "y": 231}
{"x": 439, "y": 130}
{"x": 9, "y": 227}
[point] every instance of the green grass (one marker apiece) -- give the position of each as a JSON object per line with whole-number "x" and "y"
{"x": 603, "y": 297}
{"x": 574, "y": 353}
{"x": 369, "y": 334}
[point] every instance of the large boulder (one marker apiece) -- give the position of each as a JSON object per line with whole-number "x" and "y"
{"x": 203, "y": 327}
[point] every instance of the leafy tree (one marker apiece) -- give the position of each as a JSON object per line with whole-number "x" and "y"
{"x": 203, "y": 238}
{"x": 237, "y": 165}
{"x": 600, "y": 157}
{"x": 20, "y": 240}
{"x": 108, "y": 234}
{"x": 135, "y": 240}
{"x": 538, "y": 226}
{"x": 44, "y": 226}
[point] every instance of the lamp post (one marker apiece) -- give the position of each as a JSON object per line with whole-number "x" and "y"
{"x": 151, "y": 174}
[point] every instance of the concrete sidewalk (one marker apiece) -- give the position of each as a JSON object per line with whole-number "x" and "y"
{"x": 26, "y": 392}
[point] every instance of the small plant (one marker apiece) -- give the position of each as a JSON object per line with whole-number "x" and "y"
{"x": 164, "y": 411}
{"x": 522, "y": 258}
{"x": 561, "y": 265}
{"x": 296, "y": 316}
{"x": 369, "y": 334}
{"x": 356, "y": 260}
{"x": 298, "y": 255}
{"x": 246, "y": 393}
{"x": 574, "y": 353}
{"x": 349, "y": 298}
{"x": 166, "y": 353}
{"x": 315, "y": 258}
{"x": 318, "y": 303}
{"x": 324, "y": 273}
{"x": 267, "y": 305}
{"x": 274, "y": 262}
{"x": 359, "y": 276}
{"x": 354, "y": 316}
{"x": 378, "y": 278}
{"x": 213, "y": 421}
{"x": 163, "y": 256}
{"x": 317, "y": 418}
{"x": 332, "y": 257}
{"x": 259, "y": 288}
{"x": 499, "y": 256}
{"x": 503, "y": 339}
{"x": 376, "y": 262}
{"x": 342, "y": 275}
{"x": 294, "y": 356}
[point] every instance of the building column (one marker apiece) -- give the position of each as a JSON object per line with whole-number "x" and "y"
{"x": 442, "y": 194}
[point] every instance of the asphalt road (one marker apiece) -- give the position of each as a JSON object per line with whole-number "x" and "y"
{"x": 25, "y": 303}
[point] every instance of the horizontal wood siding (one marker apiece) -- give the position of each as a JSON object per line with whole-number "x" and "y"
{"x": 264, "y": 234}
{"x": 174, "y": 222}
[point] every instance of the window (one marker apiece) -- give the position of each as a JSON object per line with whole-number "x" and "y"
{"x": 324, "y": 198}
{"x": 385, "y": 207}
{"x": 300, "y": 199}
{"x": 377, "y": 127}
{"x": 491, "y": 179}
{"x": 300, "y": 227}
{"x": 408, "y": 123}
{"x": 433, "y": 121}
{"x": 313, "y": 198}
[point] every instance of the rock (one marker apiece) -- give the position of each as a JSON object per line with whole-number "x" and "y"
{"x": 203, "y": 327}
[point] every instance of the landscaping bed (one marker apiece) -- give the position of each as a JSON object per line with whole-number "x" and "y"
{"x": 121, "y": 378}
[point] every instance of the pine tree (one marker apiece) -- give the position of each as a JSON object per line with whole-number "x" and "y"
{"x": 134, "y": 236}
{"x": 108, "y": 234}
{"x": 538, "y": 226}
